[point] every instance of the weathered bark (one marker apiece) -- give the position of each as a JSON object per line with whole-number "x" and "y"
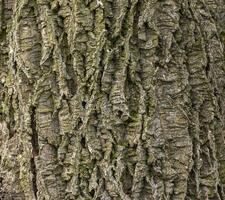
{"x": 112, "y": 99}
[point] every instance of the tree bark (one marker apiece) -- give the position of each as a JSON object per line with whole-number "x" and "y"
{"x": 112, "y": 99}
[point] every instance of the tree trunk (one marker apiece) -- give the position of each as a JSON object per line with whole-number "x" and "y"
{"x": 112, "y": 99}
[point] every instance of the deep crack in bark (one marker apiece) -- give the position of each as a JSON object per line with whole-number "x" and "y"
{"x": 35, "y": 151}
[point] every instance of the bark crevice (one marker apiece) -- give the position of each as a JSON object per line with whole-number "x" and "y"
{"x": 35, "y": 151}
{"x": 34, "y": 137}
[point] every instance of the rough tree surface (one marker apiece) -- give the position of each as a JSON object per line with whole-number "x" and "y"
{"x": 112, "y": 99}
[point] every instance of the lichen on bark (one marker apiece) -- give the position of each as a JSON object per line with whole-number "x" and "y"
{"x": 112, "y": 99}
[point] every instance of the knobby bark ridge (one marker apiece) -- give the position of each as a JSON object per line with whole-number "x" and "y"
{"x": 112, "y": 99}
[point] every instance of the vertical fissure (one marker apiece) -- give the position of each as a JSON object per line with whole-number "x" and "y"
{"x": 220, "y": 191}
{"x": 34, "y": 138}
{"x": 34, "y": 178}
{"x": 35, "y": 150}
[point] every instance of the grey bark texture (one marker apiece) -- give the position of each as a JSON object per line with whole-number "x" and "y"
{"x": 112, "y": 99}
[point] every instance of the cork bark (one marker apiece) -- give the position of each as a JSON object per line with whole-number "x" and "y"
{"x": 112, "y": 99}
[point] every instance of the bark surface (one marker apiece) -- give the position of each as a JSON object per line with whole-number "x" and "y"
{"x": 112, "y": 99}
